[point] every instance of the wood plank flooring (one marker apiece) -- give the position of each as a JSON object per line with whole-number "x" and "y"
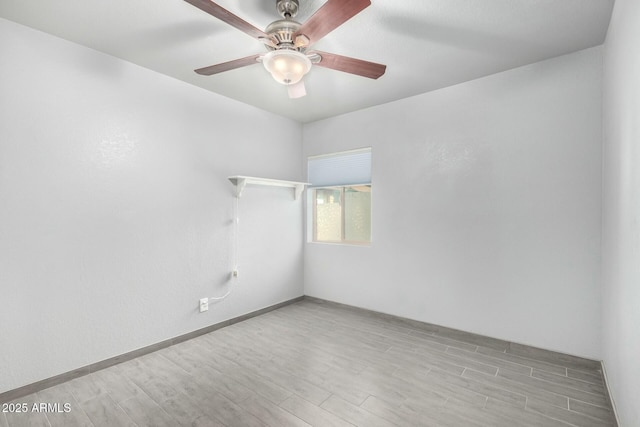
{"x": 322, "y": 364}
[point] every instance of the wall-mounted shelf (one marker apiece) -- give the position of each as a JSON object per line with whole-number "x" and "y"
{"x": 241, "y": 181}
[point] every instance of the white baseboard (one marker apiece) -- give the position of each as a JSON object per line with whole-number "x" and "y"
{"x": 609, "y": 394}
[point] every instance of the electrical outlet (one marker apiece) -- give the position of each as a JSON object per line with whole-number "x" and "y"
{"x": 234, "y": 273}
{"x": 204, "y": 304}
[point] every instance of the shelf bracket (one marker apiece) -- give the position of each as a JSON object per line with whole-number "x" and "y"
{"x": 240, "y": 184}
{"x": 297, "y": 191}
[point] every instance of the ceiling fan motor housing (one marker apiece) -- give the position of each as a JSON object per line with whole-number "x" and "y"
{"x": 282, "y": 32}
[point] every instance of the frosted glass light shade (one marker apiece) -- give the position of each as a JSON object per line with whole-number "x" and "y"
{"x": 286, "y": 66}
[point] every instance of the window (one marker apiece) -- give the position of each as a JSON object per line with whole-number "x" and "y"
{"x": 342, "y": 214}
{"x": 341, "y": 197}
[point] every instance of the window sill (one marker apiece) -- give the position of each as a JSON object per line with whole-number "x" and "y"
{"x": 361, "y": 244}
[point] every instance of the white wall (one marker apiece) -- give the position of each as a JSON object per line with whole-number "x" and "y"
{"x": 115, "y": 208}
{"x": 486, "y": 207}
{"x": 621, "y": 210}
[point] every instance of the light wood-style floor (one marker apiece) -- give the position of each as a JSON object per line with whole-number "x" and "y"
{"x": 323, "y": 364}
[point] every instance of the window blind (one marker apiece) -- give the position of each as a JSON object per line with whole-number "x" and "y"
{"x": 345, "y": 168}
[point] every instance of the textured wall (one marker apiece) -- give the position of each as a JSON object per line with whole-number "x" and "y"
{"x": 486, "y": 206}
{"x": 621, "y": 210}
{"x": 115, "y": 208}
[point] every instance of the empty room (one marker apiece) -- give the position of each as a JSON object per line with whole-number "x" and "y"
{"x": 320, "y": 213}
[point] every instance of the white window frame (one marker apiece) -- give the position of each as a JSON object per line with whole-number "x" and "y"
{"x": 339, "y": 183}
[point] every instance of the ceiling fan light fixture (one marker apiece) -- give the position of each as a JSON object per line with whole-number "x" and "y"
{"x": 286, "y": 66}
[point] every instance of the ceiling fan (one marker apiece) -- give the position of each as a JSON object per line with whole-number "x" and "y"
{"x": 287, "y": 41}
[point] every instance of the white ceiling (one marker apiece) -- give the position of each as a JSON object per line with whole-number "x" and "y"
{"x": 426, "y": 44}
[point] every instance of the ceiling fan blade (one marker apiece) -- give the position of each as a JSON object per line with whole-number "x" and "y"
{"x": 224, "y": 15}
{"x": 350, "y": 65}
{"x": 297, "y": 90}
{"x": 329, "y": 17}
{"x": 226, "y": 66}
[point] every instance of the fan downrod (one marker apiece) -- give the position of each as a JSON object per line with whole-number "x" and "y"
{"x": 287, "y": 8}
